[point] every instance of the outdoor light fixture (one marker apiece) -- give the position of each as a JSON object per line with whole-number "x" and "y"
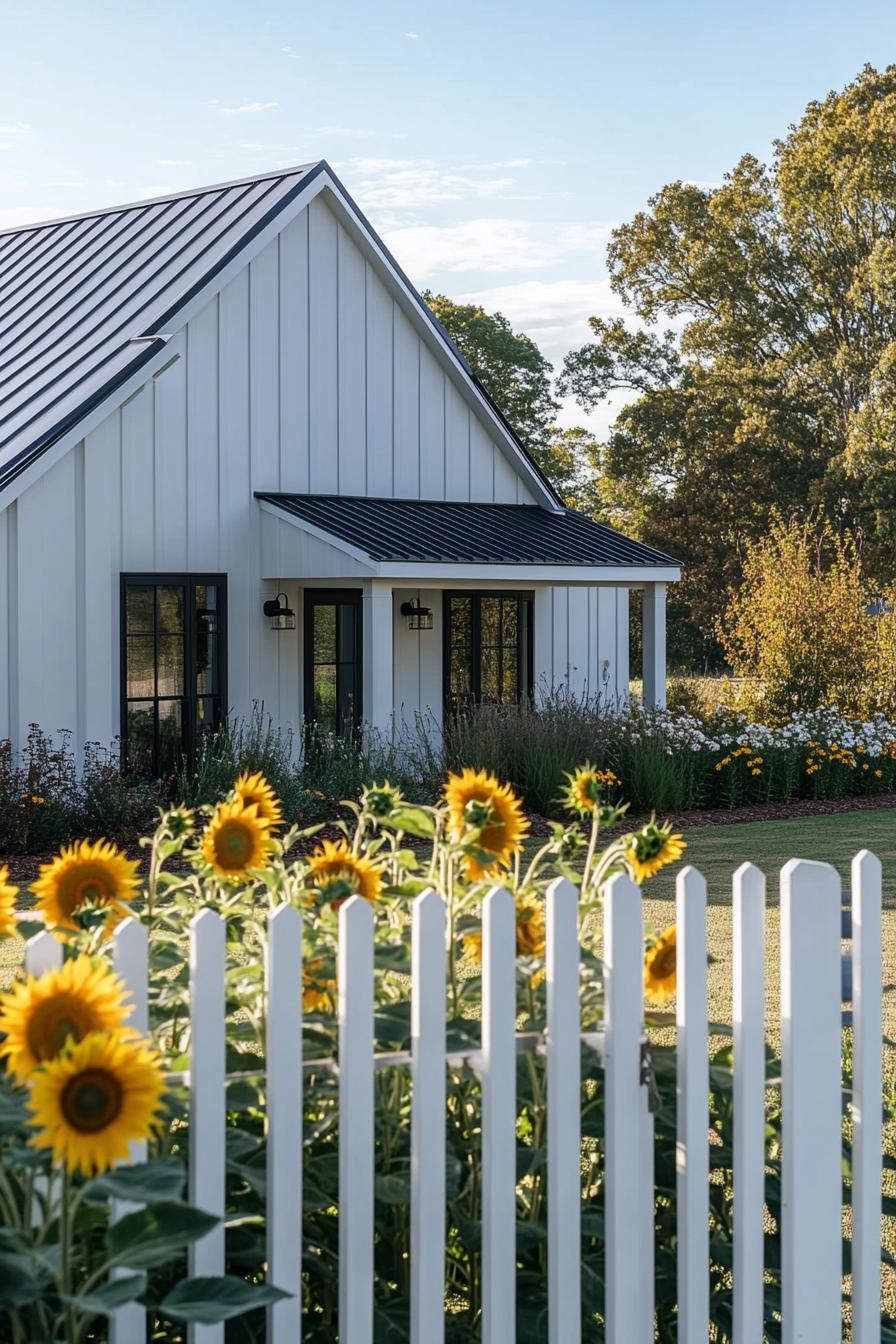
{"x": 281, "y": 614}
{"x": 417, "y": 617}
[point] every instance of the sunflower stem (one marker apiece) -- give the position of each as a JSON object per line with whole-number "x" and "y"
{"x": 66, "y": 1227}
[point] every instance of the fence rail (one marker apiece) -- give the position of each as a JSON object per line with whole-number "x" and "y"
{"x": 810, "y": 1025}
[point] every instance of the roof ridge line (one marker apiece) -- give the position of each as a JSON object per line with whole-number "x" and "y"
{"x": 187, "y": 194}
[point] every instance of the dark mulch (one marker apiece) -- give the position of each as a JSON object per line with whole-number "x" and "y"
{"x": 23, "y": 868}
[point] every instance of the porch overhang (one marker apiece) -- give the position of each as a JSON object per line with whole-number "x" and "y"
{"x": 327, "y": 537}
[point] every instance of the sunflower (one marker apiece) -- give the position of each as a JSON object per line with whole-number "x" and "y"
{"x": 96, "y": 1098}
{"x": 651, "y": 848}
{"x": 254, "y": 789}
{"x": 335, "y": 873}
{"x": 659, "y": 968}
{"x": 236, "y": 841}
{"x": 530, "y": 932}
{"x": 85, "y": 874}
{"x": 476, "y": 801}
{"x": 8, "y": 894}
{"x": 318, "y": 989}
{"x": 42, "y": 1014}
{"x": 587, "y": 788}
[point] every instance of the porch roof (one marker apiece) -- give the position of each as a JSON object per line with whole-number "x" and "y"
{"x": 389, "y": 532}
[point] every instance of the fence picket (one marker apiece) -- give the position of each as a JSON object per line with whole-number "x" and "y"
{"x": 498, "y": 1118}
{"x": 624, "y": 1014}
{"x": 866, "y": 1101}
{"x": 283, "y": 1047}
{"x": 564, "y": 1115}
{"x": 355, "y": 975}
{"x": 749, "y": 1102}
{"x": 207, "y": 1098}
{"x": 810, "y": 1089}
{"x": 43, "y": 953}
{"x": 647, "y": 1221}
{"x": 692, "y": 1109}
{"x": 130, "y": 954}
{"x": 428, "y": 1119}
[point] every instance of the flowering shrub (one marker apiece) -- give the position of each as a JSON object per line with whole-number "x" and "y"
{"x": 47, "y": 796}
{"x": 78, "y": 1085}
{"x": 674, "y": 758}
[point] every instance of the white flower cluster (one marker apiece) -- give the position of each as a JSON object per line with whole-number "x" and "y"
{"x": 825, "y": 727}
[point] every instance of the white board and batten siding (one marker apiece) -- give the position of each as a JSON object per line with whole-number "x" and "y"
{"x": 304, "y": 373}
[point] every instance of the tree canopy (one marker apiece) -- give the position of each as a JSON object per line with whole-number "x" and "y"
{"x": 774, "y": 386}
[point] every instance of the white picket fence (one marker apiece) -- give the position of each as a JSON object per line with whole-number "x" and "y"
{"x": 810, "y": 914}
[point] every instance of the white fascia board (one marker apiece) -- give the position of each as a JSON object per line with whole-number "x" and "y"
{"x": 606, "y": 576}
{"x": 89, "y": 422}
{"x": 357, "y": 227}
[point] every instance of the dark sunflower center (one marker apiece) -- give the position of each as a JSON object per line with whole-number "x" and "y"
{"x": 234, "y": 846}
{"x": 85, "y": 888}
{"x": 664, "y": 964}
{"x": 54, "y": 1023}
{"x": 650, "y": 846}
{"x": 91, "y": 1101}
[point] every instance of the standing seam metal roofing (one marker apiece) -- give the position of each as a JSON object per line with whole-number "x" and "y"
{"x": 449, "y": 532}
{"x": 81, "y": 299}
{"x": 84, "y": 300}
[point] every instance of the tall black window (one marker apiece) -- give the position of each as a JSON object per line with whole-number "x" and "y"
{"x": 333, "y": 659}
{"x": 488, "y": 648}
{"x": 173, "y": 666}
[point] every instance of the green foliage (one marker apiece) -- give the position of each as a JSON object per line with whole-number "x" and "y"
{"x": 509, "y": 365}
{"x": 310, "y": 775}
{"x": 776, "y": 389}
{"x": 800, "y": 625}
{"x": 46, "y": 800}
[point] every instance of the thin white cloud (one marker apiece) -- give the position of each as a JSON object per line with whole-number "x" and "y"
{"x": 14, "y": 128}
{"x": 291, "y": 53}
{"x": 414, "y": 37}
{"x": 497, "y": 245}
{"x": 341, "y": 132}
{"x": 493, "y": 245}
{"x": 401, "y": 184}
{"x": 243, "y": 109}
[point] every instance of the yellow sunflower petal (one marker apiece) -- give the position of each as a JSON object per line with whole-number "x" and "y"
{"x": 255, "y": 790}
{"x": 86, "y": 873}
{"x": 96, "y": 1098}
{"x": 336, "y": 873}
{"x": 41, "y": 1015}
{"x": 237, "y": 841}
{"x": 8, "y": 897}
{"x": 502, "y": 829}
{"x": 659, "y": 968}
{"x": 651, "y": 848}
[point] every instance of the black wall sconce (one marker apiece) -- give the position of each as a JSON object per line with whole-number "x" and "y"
{"x": 417, "y": 617}
{"x": 281, "y": 615}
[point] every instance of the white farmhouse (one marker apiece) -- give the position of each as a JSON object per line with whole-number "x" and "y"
{"x": 241, "y": 462}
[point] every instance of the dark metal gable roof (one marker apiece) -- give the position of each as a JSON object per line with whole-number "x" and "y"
{"x": 449, "y": 532}
{"x": 80, "y": 296}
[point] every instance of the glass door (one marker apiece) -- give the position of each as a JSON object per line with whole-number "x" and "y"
{"x": 333, "y": 659}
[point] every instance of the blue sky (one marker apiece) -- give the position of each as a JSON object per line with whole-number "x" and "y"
{"x": 493, "y": 144}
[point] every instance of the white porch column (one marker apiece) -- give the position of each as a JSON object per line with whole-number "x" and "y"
{"x": 542, "y": 643}
{"x": 654, "y": 645}
{"x": 378, "y": 698}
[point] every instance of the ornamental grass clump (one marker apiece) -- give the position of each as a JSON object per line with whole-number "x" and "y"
{"x": 79, "y": 1085}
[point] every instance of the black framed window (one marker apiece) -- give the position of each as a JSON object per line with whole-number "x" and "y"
{"x": 173, "y": 666}
{"x": 332, "y": 639}
{"x": 488, "y": 648}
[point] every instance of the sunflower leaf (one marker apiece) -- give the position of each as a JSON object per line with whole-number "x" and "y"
{"x": 414, "y": 821}
{"x": 143, "y": 1183}
{"x": 152, "y": 1235}
{"x": 209, "y": 1300}
{"x": 108, "y": 1296}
